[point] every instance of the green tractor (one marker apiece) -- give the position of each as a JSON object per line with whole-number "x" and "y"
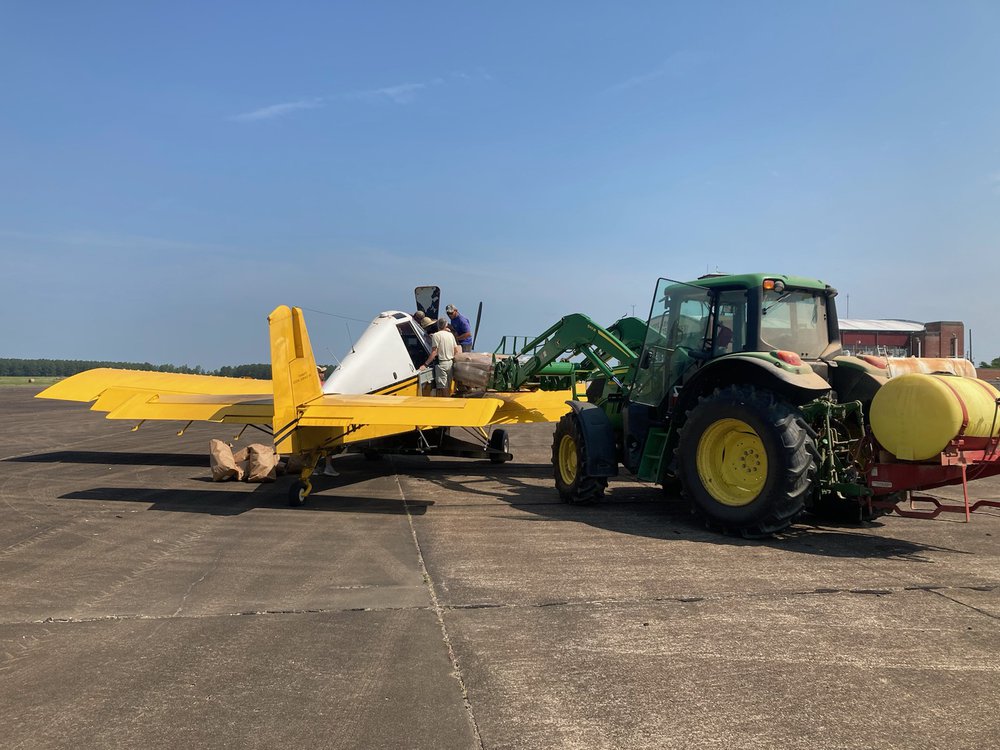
{"x": 737, "y": 391}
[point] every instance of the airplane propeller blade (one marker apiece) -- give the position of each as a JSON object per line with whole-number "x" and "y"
{"x": 479, "y": 317}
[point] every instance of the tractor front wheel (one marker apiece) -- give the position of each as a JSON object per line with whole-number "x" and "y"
{"x": 569, "y": 460}
{"x": 746, "y": 461}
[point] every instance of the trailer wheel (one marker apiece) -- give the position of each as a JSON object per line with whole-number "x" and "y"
{"x": 569, "y": 459}
{"x": 500, "y": 442}
{"x": 746, "y": 461}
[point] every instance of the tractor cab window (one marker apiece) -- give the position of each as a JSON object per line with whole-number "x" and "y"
{"x": 729, "y": 327}
{"x": 679, "y": 323}
{"x": 416, "y": 342}
{"x": 794, "y": 321}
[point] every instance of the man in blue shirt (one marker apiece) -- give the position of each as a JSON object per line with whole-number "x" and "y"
{"x": 460, "y": 327}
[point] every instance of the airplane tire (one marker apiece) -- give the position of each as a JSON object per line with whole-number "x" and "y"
{"x": 499, "y": 441}
{"x": 298, "y": 493}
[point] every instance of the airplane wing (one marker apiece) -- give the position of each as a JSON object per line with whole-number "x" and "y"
{"x": 531, "y": 406}
{"x": 333, "y": 410}
{"x": 137, "y": 395}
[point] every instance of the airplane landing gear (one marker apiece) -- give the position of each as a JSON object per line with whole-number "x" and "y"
{"x": 301, "y": 487}
{"x": 298, "y": 493}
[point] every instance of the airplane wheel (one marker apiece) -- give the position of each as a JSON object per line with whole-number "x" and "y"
{"x": 499, "y": 441}
{"x": 298, "y": 493}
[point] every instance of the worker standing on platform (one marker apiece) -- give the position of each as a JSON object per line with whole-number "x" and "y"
{"x": 460, "y": 327}
{"x": 442, "y": 356}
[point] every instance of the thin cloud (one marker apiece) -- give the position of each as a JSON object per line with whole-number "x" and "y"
{"x": 112, "y": 241}
{"x": 399, "y": 93}
{"x": 677, "y": 65}
{"x": 278, "y": 110}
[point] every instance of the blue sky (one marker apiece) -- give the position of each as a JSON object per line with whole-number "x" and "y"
{"x": 170, "y": 173}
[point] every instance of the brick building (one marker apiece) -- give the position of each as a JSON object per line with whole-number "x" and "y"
{"x": 903, "y": 338}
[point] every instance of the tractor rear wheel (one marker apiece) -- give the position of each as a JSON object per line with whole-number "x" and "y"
{"x": 746, "y": 460}
{"x": 569, "y": 460}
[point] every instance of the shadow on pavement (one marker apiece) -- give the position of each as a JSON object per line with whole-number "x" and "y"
{"x": 233, "y": 502}
{"x": 628, "y": 508}
{"x": 648, "y": 511}
{"x": 115, "y": 458}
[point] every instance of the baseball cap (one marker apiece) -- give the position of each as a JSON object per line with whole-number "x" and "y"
{"x": 449, "y": 308}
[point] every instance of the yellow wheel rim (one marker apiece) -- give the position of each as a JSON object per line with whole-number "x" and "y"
{"x": 567, "y": 459}
{"x": 732, "y": 462}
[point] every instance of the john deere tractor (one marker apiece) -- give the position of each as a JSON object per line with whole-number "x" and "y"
{"x": 736, "y": 391}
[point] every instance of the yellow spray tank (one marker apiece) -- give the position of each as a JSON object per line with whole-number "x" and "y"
{"x": 915, "y": 416}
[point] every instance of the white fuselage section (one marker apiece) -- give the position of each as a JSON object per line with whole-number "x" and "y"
{"x": 390, "y": 350}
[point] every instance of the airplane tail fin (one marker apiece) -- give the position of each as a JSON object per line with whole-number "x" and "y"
{"x": 293, "y": 375}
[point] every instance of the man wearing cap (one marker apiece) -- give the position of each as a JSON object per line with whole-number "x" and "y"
{"x": 460, "y": 327}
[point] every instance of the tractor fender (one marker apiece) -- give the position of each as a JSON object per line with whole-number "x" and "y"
{"x": 798, "y": 385}
{"x": 599, "y": 439}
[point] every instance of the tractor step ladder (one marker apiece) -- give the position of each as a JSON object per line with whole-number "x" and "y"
{"x": 652, "y": 455}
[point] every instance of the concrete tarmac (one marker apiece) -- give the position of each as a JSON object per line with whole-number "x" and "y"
{"x": 436, "y": 603}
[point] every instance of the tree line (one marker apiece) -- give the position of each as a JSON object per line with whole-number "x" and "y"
{"x": 63, "y": 368}
{"x": 995, "y": 364}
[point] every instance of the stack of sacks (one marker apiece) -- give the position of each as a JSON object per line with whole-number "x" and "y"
{"x": 473, "y": 369}
{"x": 255, "y": 463}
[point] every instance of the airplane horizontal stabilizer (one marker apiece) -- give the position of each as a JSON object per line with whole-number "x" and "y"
{"x": 126, "y": 403}
{"x": 89, "y": 385}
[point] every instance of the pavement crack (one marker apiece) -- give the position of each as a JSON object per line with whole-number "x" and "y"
{"x": 439, "y": 613}
{"x": 944, "y": 595}
{"x": 215, "y": 563}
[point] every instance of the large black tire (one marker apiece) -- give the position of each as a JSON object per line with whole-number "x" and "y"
{"x": 569, "y": 459}
{"x": 746, "y": 461}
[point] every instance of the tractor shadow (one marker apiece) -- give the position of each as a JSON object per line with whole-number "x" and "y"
{"x": 629, "y": 507}
{"x": 639, "y": 509}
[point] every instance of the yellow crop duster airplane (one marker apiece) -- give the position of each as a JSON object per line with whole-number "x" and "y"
{"x": 303, "y": 419}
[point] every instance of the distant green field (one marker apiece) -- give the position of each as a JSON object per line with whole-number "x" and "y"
{"x": 16, "y": 380}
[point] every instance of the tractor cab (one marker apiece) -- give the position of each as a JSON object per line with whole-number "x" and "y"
{"x": 777, "y": 324}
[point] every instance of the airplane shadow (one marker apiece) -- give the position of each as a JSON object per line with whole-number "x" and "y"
{"x": 220, "y": 502}
{"x": 115, "y": 458}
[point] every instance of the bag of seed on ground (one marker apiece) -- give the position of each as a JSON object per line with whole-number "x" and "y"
{"x": 223, "y": 463}
{"x": 263, "y": 463}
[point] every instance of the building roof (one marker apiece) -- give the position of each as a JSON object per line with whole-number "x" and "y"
{"x": 895, "y": 326}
